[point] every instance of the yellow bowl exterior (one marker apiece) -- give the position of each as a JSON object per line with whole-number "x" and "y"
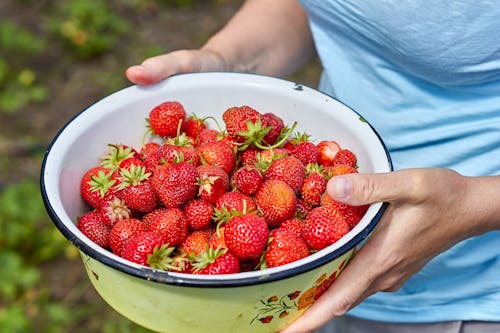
{"x": 263, "y": 308}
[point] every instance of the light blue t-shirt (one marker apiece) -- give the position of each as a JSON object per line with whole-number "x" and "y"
{"x": 426, "y": 75}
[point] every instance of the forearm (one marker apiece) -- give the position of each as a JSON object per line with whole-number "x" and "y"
{"x": 483, "y": 201}
{"x": 269, "y": 37}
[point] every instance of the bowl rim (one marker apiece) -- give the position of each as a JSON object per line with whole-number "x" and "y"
{"x": 184, "y": 279}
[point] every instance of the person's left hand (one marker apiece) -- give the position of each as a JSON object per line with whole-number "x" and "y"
{"x": 429, "y": 211}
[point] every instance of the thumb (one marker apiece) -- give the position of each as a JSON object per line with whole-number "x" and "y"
{"x": 361, "y": 189}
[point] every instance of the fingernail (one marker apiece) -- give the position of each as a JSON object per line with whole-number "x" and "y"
{"x": 342, "y": 187}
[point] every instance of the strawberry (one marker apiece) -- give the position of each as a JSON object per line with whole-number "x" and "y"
{"x": 208, "y": 135}
{"x": 246, "y": 236}
{"x": 294, "y": 224}
{"x": 175, "y": 149}
{"x": 148, "y": 148}
{"x": 324, "y": 225}
{"x": 122, "y": 231}
{"x": 288, "y": 169}
{"x": 118, "y": 153}
{"x": 268, "y": 156}
{"x": 148, "y": 218}
{"x": 276, "y": 201}
{"x": 129, "y": 162}
{"x": 213, "y": 181}
{"x": 327, "y": 152}
{"x": 302, "y": 208}
{"x": 194, "y": 125}
{"x": 302, "y": 148}
{"x": 247, "y": 179}
{"x": 285, "y": 246}
{"x": 92, "y": 225}
{"x": 352, "y": 214}
{"x": 114, "y": 209}
{"x": 312, "y": 189}
{"x": 176, "y": 183}
{"x": 136, "y": 189}
{"x": 239, "y": 121}
{"x": 196, "y": 243}
{"x": 217, "y": 153}
{"x": 216, "y": 261}
{"x": 172, "y": 225}
{"x": 235, "y": 202}
{"x": 276, "y": 126}
{"x": 167, "y": 118}
{"x": 338, "y": 169}
{"x": 198, "y": 213}
{"x": 217, "y": 239}
{"x": 140, "y": 246}
{"x": 345, "y": 156}
{"x": 96, "y": 186}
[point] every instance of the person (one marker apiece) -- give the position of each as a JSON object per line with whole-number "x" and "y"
{"x": 426, "y": 75}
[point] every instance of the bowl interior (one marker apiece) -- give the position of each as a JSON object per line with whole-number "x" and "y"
{"x": 120, "y": 118}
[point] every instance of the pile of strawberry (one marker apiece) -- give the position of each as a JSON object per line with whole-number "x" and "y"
{"x": 201, "y": 200}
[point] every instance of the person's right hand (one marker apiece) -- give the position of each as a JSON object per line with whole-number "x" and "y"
{"x": 155, "y": 69}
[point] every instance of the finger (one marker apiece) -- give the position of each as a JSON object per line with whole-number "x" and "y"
{"x": 155, "y": 69}
{"x": 361, "y": 189}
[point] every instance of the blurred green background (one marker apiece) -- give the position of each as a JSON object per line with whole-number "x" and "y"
{"x": 56, "y": 58}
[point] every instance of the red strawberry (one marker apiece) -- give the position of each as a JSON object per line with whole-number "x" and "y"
{"x": 247, "y": 179}
{"x": 285, "y": 246}
{"x": 270, "y": 155}
{"x": 129, "y": 162}
{"x": 276, "y": 200}
{"x": 238, "y": 120}
{"x": 236, "y": 201}
{"x": 217, "y": 153}
{"x": 92, "y": 225}
{"x": 216, "y": 261}
{"x": 122, "y": 231}
{"x": 96, "y": 186}
{"x": 288, "y": 169}
{"x": 194, "y": 125}
{"x": 165, "y": 118}
{"x": 246, "y": 236}
{"x": 208, "y": 135}
{"x": 327, "y": 152}
{"x": 136, "y": 189}
{"x": 305, "y": 150}
{"x": 294, "y": 224}
{"x": 140, "y": 246}
{"x": 113, "y": 210}
{"x": 302, "y": 208}
{"x": 345, "y": 156}
{"x": 176, "y": 183}
{"x": 175, "y": 149}
{"x": 199, "y": 213}
{"x": 352, "y": 214}
{"x": 148, "y": 218}
{"x": 148, "y": 148}
{"x": 312, "y": 189}
{"x": 213, "y": 182}
{"x": 172, "y": 225}
{"x": 276, "y": 126}
{"x": 196, "y": 243}
{"x": 324, "y": 225}
{"x": 217, "y": 239}
{"x": 117, "y": 154}
{"x": 338, "y": 169}
{"x": 249, "y": 156}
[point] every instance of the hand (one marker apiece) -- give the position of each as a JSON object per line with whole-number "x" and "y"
{"x": 157, "y": 68}
{"x": 429, "y": 211}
